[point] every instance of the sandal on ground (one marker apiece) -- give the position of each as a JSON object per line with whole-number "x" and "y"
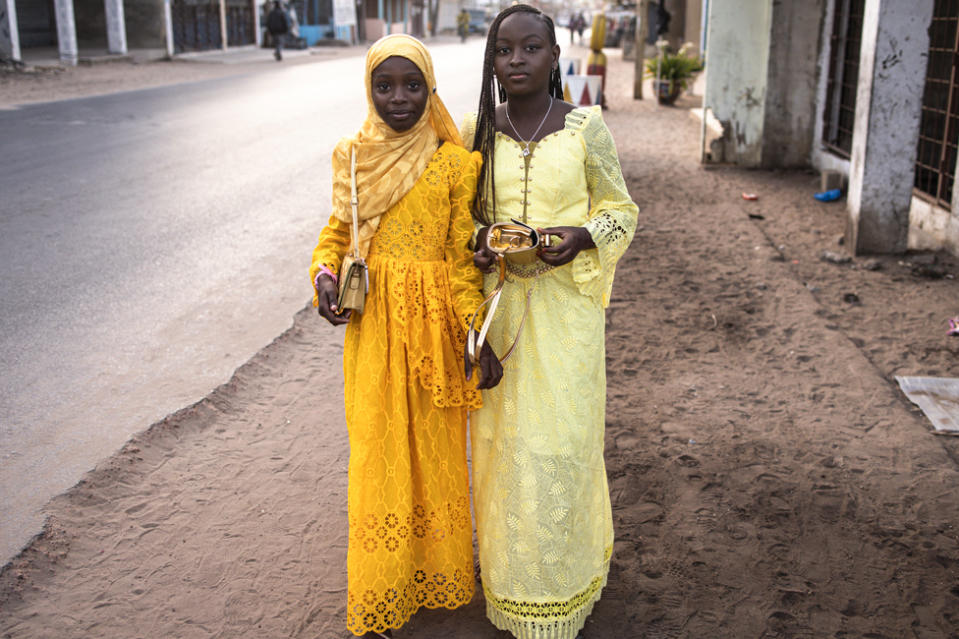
{"x": 953, "y": 327}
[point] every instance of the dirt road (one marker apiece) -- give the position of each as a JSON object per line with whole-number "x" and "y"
{"x": 768, "y": 478}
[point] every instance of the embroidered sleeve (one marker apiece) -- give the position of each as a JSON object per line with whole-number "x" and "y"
{"x": 613, "y": 214}
{"x": 332, "y": 246}
{"x": 334, "y": 239}
{"x": 466, "y": 282}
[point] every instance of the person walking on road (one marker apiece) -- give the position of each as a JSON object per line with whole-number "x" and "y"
{"x": 543, "y": 515}
{"x": 463, "y": 24}
{"x": 278, "y": 24}
{"x": 406, "y": 395}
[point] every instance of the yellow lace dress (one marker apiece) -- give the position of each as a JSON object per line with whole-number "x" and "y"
{"x": 410, "y": 531}
{"x": 543, "y": 514}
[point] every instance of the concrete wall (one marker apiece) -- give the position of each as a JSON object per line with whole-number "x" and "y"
{"x": 791, "y": 111}
{"x": 737, "y": 74}
{"x": 929, "y": 226}
{"x": 892, "y": 68}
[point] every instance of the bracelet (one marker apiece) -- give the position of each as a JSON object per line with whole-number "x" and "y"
{"x": 324, "y": 271}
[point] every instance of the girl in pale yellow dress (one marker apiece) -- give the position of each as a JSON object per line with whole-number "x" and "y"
{"x": 543, "y": 514}
{"x": 410, "y": 532}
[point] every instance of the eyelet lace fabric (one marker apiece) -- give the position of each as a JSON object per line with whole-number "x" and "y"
{"x": 410, "y": 541}
{"x": 544, "y": 521}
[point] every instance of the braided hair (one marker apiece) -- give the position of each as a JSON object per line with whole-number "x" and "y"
{"x": 484, "y": 137}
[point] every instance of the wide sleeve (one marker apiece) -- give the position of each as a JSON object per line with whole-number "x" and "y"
{"x": 333, "y": 244}
{"x": 612, "y": 215}
{"x": 466, "y": 281}
{"x": 468, "y": 130}
{"x": 335, "y": 238}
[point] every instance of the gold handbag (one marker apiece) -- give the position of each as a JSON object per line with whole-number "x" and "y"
{"x": 354, "y": 281}
{"x": 518, "y": 243}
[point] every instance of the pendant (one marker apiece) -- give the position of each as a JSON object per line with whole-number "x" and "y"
{"x": 526, "y": 152}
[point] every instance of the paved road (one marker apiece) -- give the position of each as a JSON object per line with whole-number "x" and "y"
{"x": 150, "y": 243}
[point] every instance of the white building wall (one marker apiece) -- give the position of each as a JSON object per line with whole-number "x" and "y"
{"x": 446, "y": 16}
{"x": 736, "y": 79}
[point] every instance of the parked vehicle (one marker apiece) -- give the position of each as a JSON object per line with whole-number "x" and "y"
{"x": 479, "y": 22}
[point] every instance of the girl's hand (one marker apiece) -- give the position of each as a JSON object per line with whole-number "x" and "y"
{"x": 484, "y": 259}
{"x": 326, "y": 294}
{"x": 572, "y": 240}
{"x": 491, "y": 370}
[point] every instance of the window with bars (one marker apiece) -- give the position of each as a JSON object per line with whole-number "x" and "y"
{"x": 936, "y": 153}
{"x": 843, "y": 79}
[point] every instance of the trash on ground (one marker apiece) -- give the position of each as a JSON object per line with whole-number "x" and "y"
{"x": 953, "y": 327}
{"x": 828, "y": 196}
{"x": 931, "y": 271}
{"x": 938, "y": 397}
{"x": 835, "y": 258}
{"x": 850, "y": 298}
{"x": 872, "y": 264}
{"x": 750, "y": 197}
{"x": 756, "y": 216}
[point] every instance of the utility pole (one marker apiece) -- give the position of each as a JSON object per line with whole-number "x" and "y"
{"x": 642, "y": 29}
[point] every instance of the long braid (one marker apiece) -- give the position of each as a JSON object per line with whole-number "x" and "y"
{"x": 484, "y": 137}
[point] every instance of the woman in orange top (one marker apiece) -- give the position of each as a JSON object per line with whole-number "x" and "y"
{"x": 410, "y": 541}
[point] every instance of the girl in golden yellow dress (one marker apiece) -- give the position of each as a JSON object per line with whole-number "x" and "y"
{"x": 542, "y": 504}
{"x": 410, "y": 539}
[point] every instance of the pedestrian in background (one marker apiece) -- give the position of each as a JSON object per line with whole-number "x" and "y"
{"x": 580, "y": 25}
{"x": 543, "y": 515}
{"x": 463, "y": 24}
{"x": 278, "y": 24}
{"x": 410, "y": 529}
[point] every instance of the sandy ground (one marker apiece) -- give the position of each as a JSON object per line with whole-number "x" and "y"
{"x": 768, "y": 478}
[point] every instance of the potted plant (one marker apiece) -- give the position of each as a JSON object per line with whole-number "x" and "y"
{"x": 671, "y": 72}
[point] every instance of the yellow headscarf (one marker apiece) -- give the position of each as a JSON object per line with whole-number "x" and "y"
{"x": 389, "y": 162}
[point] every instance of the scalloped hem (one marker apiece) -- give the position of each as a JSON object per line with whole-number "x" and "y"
{"x": 360, "y": 633}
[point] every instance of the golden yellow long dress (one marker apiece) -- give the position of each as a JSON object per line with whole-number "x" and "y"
{"x": 410, "y": 530}
{"x": 543, "y": 515}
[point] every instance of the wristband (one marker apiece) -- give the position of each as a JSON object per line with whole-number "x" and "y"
{"x": 325, "y": 271}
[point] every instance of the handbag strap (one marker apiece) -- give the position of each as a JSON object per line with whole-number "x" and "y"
{"x": 474, "y": 340}
{"x": 354, "y": 203}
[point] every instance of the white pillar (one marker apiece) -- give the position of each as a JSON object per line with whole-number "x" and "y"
{"x": 223, "y": 33}
{"x": 66, "y": 32}
{"x": 116, "y": 26}
{"x": 892, "y": 72}
{"x": 257, "y": 36}
{"x": 168, "y": 24}
{"x": 9, "y": 30}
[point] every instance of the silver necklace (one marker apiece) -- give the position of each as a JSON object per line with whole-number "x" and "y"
{"x": 512, "y": 126}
